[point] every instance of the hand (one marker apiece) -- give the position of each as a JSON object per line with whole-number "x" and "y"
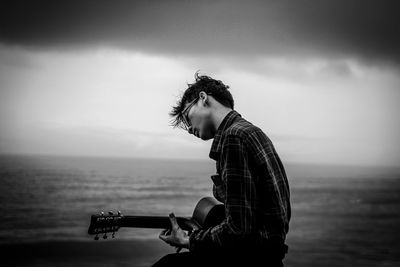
{"x": 175, "y": 236}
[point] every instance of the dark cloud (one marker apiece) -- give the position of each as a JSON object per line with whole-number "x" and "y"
{"x": 368, "y": 29}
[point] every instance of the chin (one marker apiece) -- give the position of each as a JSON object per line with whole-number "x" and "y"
{"x": 204, "y": 137}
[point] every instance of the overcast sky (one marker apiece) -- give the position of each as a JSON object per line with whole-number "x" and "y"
{"x": 321, "y": 78}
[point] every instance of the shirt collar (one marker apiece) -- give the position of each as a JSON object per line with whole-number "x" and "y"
{"x": 217, "y": 142}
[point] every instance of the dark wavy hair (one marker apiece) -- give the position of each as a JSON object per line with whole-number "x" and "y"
{"x": 216, "y": 88}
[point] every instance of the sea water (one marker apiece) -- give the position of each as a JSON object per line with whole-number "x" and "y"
{"x": 341, "y": 215}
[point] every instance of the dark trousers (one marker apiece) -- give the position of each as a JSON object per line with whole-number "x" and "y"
{"x": 218, "y": 259}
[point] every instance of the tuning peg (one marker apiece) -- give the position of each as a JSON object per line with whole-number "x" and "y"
{"x": 101, "y": 213}
{"x": 96, "y": 237}
{"x": 110, "y": 213}
{"x": 105, "y": 236}
{"x": 119, "y": 213}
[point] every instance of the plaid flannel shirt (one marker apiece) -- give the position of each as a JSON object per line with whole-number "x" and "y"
{"x": 252, "y": 184}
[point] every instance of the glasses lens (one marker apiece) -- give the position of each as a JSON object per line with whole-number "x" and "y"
{"x": 186, "y": 122}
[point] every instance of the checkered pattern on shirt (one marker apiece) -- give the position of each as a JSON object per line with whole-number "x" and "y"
{"x": 251, "y": 182}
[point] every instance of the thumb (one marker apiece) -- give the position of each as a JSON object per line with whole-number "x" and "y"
{"x": 174, "y": 222}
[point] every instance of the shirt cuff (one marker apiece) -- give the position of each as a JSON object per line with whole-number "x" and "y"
{"x": 192, "y": 240}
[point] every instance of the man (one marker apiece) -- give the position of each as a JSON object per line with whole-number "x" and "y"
{"x": 250, "y": 181}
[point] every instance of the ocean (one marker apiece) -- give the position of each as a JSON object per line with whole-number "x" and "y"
{"x": 341, "y": 215}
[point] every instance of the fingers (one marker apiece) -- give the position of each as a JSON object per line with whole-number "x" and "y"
{"x": 165, "y": 232}
{"x": 164, "y": 235}
{"x": 175, "y": 225}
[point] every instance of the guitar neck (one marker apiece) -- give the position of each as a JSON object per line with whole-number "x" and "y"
{"x": 208, "y": 212}
{"x": 157, "y": 222}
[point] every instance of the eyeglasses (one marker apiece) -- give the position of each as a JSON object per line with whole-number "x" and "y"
{"x": 185, "y": 119}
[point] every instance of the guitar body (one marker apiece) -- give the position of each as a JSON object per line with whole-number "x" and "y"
{"x": 207, "y": 213}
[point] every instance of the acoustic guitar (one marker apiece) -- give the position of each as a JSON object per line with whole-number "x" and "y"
{"x": 207, "y": 213}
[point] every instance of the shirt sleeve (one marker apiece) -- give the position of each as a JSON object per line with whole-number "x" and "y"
{"x": 218, "y": 188}
{"x": 239, "y": 193}
{"x": 276, "y": 198}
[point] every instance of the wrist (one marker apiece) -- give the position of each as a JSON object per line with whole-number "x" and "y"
{"x": 186, "y": 243}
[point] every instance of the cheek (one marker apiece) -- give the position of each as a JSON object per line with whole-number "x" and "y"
{"x": 202, "y": 120}
{"x": 205, "y": 123}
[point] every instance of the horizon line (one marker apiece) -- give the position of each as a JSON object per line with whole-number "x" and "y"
{"x": 187, "y": 159}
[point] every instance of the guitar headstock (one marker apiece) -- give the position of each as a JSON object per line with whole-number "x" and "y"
{"x": 103, "y": 224}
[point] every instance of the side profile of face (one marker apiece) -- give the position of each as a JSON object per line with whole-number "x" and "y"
{"x": 200, "y": 117}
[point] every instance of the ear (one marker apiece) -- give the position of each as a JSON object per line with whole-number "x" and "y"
{"x": 204, "y": 98}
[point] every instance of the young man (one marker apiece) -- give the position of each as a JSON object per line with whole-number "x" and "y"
{"x": 250, "y": 181}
